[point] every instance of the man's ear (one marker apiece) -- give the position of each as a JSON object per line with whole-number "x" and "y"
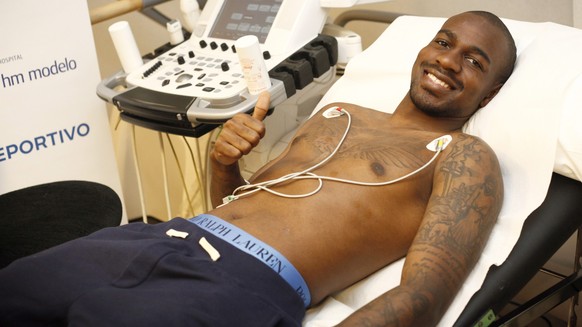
{"x": 490, "y": 96}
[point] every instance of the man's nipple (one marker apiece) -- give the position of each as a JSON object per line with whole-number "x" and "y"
{"x": 378, "y": 169}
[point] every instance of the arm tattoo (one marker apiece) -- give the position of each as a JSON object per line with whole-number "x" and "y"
{"x": 466, "y": 198}
{"x": 400, "y": 308}
{"x": 462, "y": 212}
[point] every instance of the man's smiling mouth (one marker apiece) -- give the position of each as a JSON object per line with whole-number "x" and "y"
{"x": 438, "y": 81}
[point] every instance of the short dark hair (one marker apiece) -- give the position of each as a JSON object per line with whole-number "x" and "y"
{"x": 510, "y": 42}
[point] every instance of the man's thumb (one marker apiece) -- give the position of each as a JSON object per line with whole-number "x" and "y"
{"x": 262, "y": 106}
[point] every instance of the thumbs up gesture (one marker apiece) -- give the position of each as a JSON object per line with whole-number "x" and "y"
{"x": 241, "y": 133}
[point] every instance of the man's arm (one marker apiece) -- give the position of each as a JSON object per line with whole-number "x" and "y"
{"x": 238, "y": 137}
{"x": 464, "y": 205}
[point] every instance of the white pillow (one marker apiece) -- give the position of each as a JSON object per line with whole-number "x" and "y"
{"x": 569, "y": 150}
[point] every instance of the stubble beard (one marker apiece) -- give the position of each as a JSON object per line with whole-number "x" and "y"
{"x": 421, "y": 100}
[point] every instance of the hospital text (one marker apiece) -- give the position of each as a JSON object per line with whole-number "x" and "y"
{"x": 43, "y": 142}
{"x": 57, "y": 67}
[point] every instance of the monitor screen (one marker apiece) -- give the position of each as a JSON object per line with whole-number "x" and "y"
{"x": 239, "y": 18}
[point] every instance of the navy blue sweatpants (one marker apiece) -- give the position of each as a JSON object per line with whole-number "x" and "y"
{"x": 136, "y": 275}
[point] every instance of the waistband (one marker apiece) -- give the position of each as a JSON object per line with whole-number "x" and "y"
{"x": 256, "y": 248}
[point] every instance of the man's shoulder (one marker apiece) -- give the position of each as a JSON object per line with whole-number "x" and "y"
{"x": 460, "y": 138}
{"x": 470, "y": 151}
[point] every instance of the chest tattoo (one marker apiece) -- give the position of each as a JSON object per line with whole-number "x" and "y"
{"x": 380, "y": 151}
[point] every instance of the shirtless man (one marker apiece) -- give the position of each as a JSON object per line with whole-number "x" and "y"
{"x": 439, "y": 218}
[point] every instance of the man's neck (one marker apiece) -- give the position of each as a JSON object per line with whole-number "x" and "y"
{"x": 407, "y": 115}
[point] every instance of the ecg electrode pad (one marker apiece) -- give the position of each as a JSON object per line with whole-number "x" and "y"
{"x": 440, "y": 143}
{"x": 333, "y": 112}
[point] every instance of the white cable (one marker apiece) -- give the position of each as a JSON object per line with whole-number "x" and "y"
{"x": 202, "y": 175}
{"x": 293, "y": 175}
{"x": 208, "y": 169}
{"x": 137, "y": 171}
{"x": 264, "y": 185}
{"x": 348, "y": 181}
{"x": 182, "y": 178}
{"x": 197, "y": 172}
{"x": 307, "y": 174}
{"x": 165, "y": 177}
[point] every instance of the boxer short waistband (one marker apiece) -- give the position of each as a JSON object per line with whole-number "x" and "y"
{"x": 256, "y": 248}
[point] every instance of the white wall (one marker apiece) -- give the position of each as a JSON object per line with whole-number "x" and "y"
{"x": 577, "y": 13}
{"x": 559, "y": 11}
{"x": 566, "y": 12}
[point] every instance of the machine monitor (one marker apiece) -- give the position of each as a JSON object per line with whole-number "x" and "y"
{"x": 239, "y": 18}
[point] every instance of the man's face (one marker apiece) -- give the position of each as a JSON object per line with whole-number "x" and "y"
{"x": 458, "y": 71}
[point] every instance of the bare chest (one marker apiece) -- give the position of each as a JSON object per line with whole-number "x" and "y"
{"x": 365, "y": 149}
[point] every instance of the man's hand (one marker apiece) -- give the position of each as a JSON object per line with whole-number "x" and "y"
{"x": 241, "y": 133}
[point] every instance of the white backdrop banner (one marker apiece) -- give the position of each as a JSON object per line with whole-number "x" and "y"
{"x": 53, "y": 127}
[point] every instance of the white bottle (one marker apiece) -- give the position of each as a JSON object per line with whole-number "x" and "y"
{"x": 252, "y": 64}
{"x": 125, "y": 45}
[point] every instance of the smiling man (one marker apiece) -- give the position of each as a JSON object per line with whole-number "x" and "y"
{"x": 439, "y": 218}
{"x": 355, "y": 190}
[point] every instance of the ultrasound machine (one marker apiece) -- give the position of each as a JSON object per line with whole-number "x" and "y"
{"x": 192, "y": 87}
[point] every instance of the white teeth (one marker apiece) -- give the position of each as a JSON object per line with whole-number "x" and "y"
{"x": 438, "y": 81}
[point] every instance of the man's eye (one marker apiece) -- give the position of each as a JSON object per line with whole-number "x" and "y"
{"x": 474, "y": 62}
{"x": 442, "y": 43}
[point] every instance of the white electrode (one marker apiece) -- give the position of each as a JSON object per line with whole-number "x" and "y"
{"x": 125, "y": 45}
{"x": 252, "y": 64}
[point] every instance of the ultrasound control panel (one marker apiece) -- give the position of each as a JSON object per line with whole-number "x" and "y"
{"x": 200, "y": 81}
{"x": 205, "y": 69}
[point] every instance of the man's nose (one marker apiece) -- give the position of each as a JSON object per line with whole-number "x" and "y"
{"x": 450, "y": 60}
